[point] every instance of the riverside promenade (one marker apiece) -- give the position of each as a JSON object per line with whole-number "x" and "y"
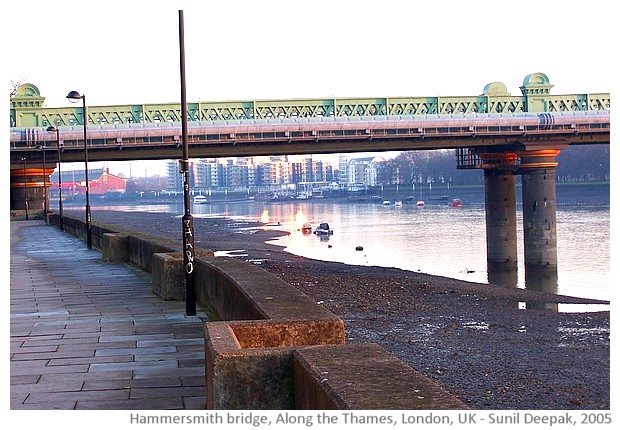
{"x": 86, "y": 334}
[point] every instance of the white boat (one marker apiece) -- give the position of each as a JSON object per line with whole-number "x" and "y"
{"x": 386, "y": 203}
{"x": 200, "y": 200}
{"x": 420, "y": 203}
{"x": 398, "y": 203}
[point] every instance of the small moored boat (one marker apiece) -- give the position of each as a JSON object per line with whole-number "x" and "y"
{"x": 455, "y": 203}
{"x": 323, "y": 229}
{"x": 200, "y": 200}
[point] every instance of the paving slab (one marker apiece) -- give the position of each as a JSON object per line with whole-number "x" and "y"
{"x": 86, "y": 334}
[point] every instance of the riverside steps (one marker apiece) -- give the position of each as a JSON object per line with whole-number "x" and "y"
{"x": 89, "y": 331}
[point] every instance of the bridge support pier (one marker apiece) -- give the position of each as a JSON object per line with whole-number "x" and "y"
{"x": 539, "y": 208}
{"x": 28, "y": 191}
{"x": 539, "y": 220}
{"x": 501, "y": 226}
{"x": 537, "y": 169}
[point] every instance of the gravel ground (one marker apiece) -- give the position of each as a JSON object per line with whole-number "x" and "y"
{"x": 473, "y": 339}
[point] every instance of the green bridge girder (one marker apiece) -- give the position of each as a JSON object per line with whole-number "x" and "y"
{"x": 27, "y": 106}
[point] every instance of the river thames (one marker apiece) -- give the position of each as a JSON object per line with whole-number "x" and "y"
{"x": 434, "y": 239}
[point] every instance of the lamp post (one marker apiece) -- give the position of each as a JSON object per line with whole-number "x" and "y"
{"x": 52, "y": 129}
{"x": 188, "y": 223}
{"x": 42, "y": 148}
{"x": 73, "y": 97}
{"x": 25, "y": 189}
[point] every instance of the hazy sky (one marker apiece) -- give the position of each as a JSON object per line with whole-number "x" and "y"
{"x": 127, "y": 52}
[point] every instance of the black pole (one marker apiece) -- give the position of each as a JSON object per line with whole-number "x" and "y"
{"x": 61, "y": 223}
{"x": 25, "y": 189}
{"x": 187, "y": 220}
{"x": 89, "y": 237}
{"x": 44, "y": 186}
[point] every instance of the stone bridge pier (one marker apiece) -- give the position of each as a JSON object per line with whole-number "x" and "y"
{"x": 29, "y": 191}
{"x": 501, "y": 226}
{"x": 539, "y": 208}
{"x": 537, "y": 169}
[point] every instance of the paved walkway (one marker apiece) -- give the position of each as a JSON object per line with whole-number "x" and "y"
{"x": 92, "y": 335}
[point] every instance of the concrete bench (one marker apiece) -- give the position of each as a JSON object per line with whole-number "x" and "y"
{"x": 363, "y": 376}
{"x": 249, "y": 364}
{"x": 286, "y": 365}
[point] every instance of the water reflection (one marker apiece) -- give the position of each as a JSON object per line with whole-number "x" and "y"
{"x": 503, "y": 275}
{"x": 544, "y": 280}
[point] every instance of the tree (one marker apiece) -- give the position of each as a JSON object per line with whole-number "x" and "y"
{"x": 13, "y": 86}
{"x": 576, "y": 163}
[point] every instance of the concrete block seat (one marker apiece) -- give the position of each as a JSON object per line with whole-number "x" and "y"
{"x": 363, "y": 377}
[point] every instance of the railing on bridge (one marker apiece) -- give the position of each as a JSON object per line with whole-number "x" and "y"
{"x": 466, "y": 158}
{"x": 239, "y": 110}
{"x": 27, "y": 107}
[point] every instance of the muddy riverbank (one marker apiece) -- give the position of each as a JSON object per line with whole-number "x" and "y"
{"x": 494, "y": 347}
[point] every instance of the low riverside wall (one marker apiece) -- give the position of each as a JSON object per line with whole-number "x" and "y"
{"x": 270, "y": 346}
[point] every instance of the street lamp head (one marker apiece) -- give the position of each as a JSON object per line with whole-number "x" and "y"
{"x": 74, "y": 96}
{"x": 51, "y": 129}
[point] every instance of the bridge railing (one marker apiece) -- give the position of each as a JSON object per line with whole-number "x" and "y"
{"x": 312, "y": 108}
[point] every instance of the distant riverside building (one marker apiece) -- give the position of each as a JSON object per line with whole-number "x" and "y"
{"x": 357, "y": 171}
{"x": 100, "y": 181}
{"x": 107, "y": 182}
{"x": 249, "y": 172}
{"x": 273, "y": 172}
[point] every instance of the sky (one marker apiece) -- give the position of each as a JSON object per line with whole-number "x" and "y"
{"x": 127, "y": 52}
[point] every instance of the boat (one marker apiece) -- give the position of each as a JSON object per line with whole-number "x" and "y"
{"x": 398, "y": 203}
{"x": 306, "y": 228}
{"x": 200, "y": 200}
{"x": 323, "y": 229}
{"x": 420, "y": 203}
{"x": 455, "y": 203}
{"x": 386, "y": 203}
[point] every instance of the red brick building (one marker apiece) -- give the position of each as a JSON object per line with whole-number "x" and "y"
{"x": 107, "y": 182}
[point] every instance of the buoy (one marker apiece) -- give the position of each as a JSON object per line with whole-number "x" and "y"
{"x": 359, "y": 248}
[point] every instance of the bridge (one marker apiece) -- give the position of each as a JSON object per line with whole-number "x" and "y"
{"x": 502, "y": 134}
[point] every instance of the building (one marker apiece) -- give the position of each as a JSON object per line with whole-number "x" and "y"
{"x": 250, "y": 173}
{"x": 357, "y": 171}
{"x": 100, "y": 181}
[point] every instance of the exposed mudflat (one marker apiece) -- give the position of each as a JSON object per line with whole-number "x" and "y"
{"x": 473, "y": 339}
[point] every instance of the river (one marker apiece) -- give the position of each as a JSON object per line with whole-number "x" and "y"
{"x": 437, "y": 239}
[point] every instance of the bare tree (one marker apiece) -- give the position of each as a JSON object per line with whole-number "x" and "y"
{"x": 14, "y": 85}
